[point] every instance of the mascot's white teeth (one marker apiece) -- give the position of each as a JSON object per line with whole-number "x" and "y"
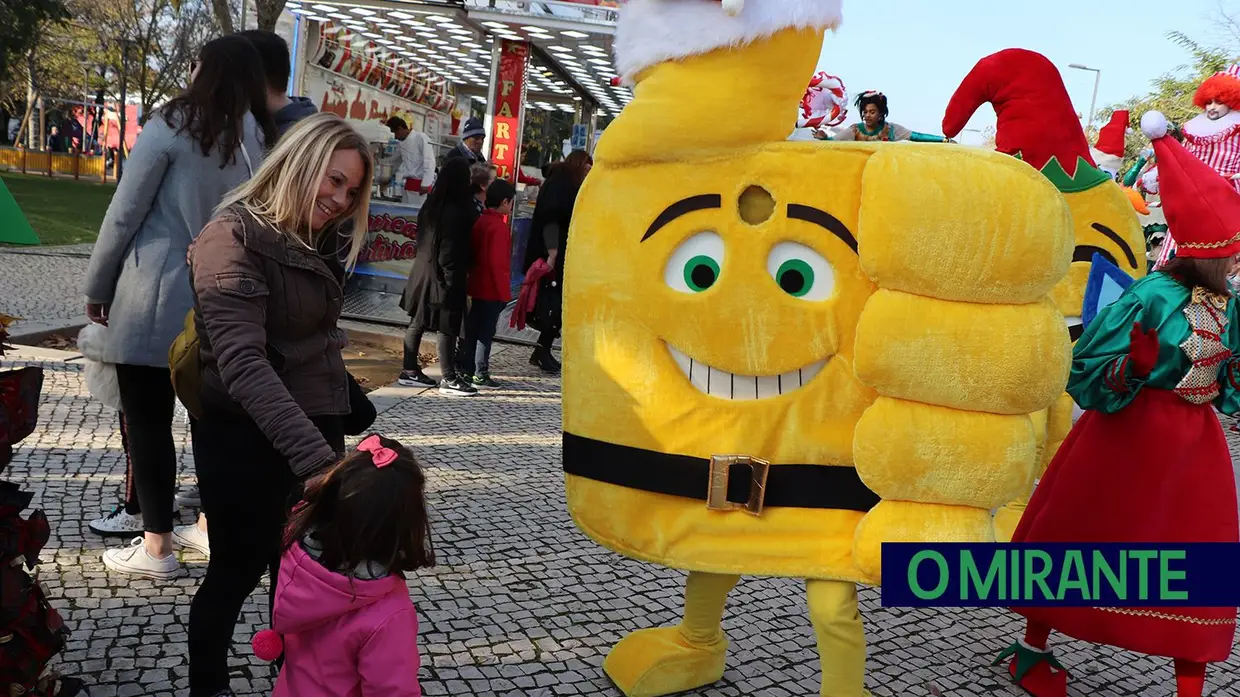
{"x": 723, "y": 385}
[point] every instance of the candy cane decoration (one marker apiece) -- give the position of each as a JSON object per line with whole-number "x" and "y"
{"x": 825, "y": 102}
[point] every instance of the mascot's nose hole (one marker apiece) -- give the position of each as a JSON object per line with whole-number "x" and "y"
{"x": 757, "y": 205}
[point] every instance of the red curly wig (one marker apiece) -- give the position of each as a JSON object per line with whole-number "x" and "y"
{"x": 1223, "y": 89}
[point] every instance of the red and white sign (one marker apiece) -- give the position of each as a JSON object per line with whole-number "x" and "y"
{"x": 506, "y": 110}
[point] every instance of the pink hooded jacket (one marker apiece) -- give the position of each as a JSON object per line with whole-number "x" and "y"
{"x": 344, "y": 638}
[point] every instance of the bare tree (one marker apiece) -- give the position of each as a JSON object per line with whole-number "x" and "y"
{"x": 268, "y": 13}
{"x": 223, "y": 15}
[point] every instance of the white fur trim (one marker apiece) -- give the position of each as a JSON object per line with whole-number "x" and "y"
{"x": 1154, "y": 125}
{"x": 655, "y": 31}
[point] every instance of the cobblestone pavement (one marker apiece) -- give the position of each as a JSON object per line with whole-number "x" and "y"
{"x": 43, "y": 285}
{"x": 521, "y": 602}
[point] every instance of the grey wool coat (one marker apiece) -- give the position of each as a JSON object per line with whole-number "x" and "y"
{"x": 138, "y": 267}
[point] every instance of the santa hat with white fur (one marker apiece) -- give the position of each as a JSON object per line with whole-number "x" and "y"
{"x": 763, "y": 51}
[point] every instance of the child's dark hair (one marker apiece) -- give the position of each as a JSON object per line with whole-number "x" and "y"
{"x": 499, "y": 191}
{"x": 360, "y": 513}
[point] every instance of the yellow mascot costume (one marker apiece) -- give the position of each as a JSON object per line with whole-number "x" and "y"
{"x": 1036, "y": 123}
{"x": 779, "y": 355}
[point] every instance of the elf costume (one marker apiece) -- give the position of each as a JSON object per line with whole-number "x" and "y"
{"x": 883, "y": 132}
{"x": 1212, "y": 136}
{"x": 1156, "y": 360}
{"x": 1037, "y": 124}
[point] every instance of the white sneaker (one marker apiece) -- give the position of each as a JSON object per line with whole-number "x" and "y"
{"x": 190, "y": 537}
{"x": 136, "y": 561}
{"x": 118, "y": 523}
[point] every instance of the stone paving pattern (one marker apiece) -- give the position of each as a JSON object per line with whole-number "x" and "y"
{"x": 43, "y": 285}
{"x": 521, "y": 602}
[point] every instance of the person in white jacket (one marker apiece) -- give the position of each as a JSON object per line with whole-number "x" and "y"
{"x": 417, "y": 160}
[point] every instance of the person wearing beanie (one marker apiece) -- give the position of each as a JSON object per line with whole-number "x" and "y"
{"x": 874, "y": 125}
{"x": 473, "y": 136}
{"x": 1159, "y": 358}
{"x": 1037, "y": 124}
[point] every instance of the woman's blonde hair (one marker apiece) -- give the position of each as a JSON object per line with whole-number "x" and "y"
{"x": 282, "y": 192}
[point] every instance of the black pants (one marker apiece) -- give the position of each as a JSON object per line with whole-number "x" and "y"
{"x": 132, "y": 506}
{"x": 246, "y": 486}
{"x": 148, "y": 402}
{"x": 474, "y": 353}
{"x": 446, "y": 347}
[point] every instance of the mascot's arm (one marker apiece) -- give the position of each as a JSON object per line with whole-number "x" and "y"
{"x": 1102, "y": 374}
{"x": 1130, "y": 179}
{"x": 1228, "y": 400}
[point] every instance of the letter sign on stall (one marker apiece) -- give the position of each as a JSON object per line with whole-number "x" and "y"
{"x": 506, "y": 115}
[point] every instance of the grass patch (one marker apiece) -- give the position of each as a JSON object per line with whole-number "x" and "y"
{"x": 61, "y": 211}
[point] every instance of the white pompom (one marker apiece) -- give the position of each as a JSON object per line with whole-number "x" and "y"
{"x": 1154, "y": 125}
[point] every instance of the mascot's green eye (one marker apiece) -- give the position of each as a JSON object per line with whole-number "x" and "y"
{"x": 800, "y": 271}
{"x": 696, "y": 264}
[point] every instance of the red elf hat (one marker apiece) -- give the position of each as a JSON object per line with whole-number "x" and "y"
{"x": 1202, "y": 208}
{"x": 1036, "y": 122}
{"x": 1111, "y": 136}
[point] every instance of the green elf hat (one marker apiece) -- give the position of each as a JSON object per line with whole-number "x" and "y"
{"x": 1036, "y": 122}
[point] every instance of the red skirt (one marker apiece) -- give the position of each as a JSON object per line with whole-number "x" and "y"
{"x": 1156, "y": 471}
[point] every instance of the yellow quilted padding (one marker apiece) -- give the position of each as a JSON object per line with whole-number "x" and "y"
{"x": 1003, "y": 359}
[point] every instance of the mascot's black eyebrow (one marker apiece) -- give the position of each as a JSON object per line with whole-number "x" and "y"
{"x": 1110, "y": 234}
{"x": 685, "y": 206}
{"x": 824, "y": 220}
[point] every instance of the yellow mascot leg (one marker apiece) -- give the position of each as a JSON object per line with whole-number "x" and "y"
{"x": 841, "y": 637}
{"x": 667, "y": 660}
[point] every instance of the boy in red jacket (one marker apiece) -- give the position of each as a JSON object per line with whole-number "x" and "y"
{"x": 488, "y": 283}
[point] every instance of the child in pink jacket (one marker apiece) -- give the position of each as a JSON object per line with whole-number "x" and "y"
{"x": 343, "y": 618}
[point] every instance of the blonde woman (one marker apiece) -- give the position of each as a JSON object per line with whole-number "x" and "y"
{"x": 267, "y": 279}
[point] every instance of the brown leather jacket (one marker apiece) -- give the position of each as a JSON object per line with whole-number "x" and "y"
{"x": 267, "y": 309}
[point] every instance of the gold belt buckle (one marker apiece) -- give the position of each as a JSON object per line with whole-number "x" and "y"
{"x": 720, "y": 470}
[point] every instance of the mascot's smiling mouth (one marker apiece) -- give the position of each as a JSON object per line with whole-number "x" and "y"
{"x": 724, "y": 385}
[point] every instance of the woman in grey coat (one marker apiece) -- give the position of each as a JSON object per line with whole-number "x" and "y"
{"x": 192, "y": 152}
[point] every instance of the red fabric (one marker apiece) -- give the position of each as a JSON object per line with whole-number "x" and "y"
{"x": 1177, "y": 487}
{"x": 529, "y": 293}
{"x": 490, "y": 278}
{"x": 1035, "y": 115}
{"x": 523, "y": 178}
{"x": 1190, "y": 678}
{"x": 1143, "y": 349}
{"x": 1111, "y": 136}
{"x": 1202, "y": 208}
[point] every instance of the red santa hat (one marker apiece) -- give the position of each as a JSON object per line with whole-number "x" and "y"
{"x": 1036, "y": 121}
{"x": 1201, "y": 207}
{"x": 1111, "y": 137}
{"x": 1223, "y": 87}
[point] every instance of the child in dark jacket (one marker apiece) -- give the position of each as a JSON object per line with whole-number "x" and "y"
{"x": 489, "y": 281}
{"x": 343, "y": 619}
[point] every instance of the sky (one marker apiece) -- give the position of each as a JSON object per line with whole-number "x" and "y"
{"x": 918, "y": 51}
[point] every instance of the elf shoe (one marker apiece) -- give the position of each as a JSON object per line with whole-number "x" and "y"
{"x": 1035, "y": 671}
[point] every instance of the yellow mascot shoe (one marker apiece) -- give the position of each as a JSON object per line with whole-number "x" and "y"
{"x": 662, "y": 661}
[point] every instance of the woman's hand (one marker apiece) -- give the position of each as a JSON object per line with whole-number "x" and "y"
{"x": 552, "y": 254}
{"x": 97, "y": 313}
{"x": 1143, "y": 350}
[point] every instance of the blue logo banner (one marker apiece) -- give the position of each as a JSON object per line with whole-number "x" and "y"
{"x": 1060, "y": 574}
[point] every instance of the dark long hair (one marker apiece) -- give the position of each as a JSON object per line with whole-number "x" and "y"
{"x": 452, "y": 188}
{"x": 1210, "y": 274}
{"x": 362, "y": 513}
{"x": 575, "y": 166}
{"x": 878, "y": 99}
{"x": 230, "y": 82}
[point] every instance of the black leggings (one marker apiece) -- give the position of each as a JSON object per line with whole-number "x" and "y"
{"x": 148, "y": 403}
{"x": 132, "y": 506}
{"x": 245, "y": 485}
{"x": 446, "y": 346}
